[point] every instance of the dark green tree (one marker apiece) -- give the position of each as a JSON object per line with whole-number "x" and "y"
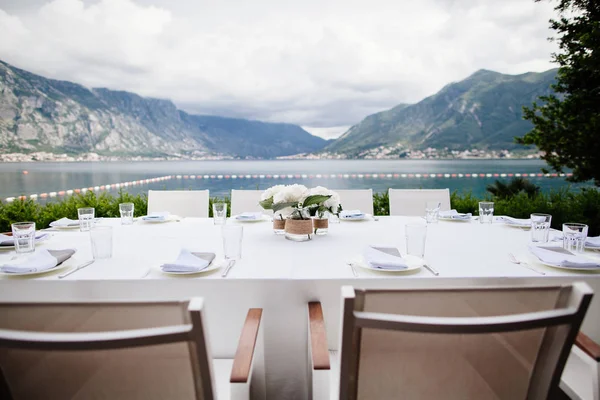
{"x": 567, "y": 124}
{"x": 503, "y": 190}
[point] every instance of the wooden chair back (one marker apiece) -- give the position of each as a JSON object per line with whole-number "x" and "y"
{"x": 483, "y": 343}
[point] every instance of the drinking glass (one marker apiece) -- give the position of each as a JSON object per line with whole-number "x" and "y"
{"x": 486, "y": 212}
{"x": 126, "y": 210}
{"x": 101, "y": 237}
{"x": 24, "y": 236}
{"x": 432, "y": 211}
{"x": 415, "y": 239}
{"x": 540, "y": 227}
{"x": 574, "y": 236}
{"x": 86, "y": 218}
{"x": 232, "y": 241}
{"x": 219, "y": 213}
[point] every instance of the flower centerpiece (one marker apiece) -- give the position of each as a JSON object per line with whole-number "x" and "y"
{"x": 320, "y": 211}
{"x": 295, "y": 204}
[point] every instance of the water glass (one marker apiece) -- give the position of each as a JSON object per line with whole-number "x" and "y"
{"x": 432, "y": 211}
{"x": 540, "y": 227}
{"x": 126, "y": 210}
{"x": 24, "y": 236}
{"x": 219, "y": 213}
{"x": 574, "y": 236}
{"x": 102, "y": 242}
{"x": 86, "y": 218}
{"x": 415, "y": 240}
{"x": 486, "y": 212}
{"x": 232, "y": 241}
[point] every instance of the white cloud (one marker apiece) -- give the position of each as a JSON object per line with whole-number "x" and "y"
{"x": 316, "y": 63}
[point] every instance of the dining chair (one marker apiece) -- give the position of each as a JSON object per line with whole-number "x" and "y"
{"x": 150, "y": 350}
{"x": 246, "y": 201}
{"x": 471, "y": 343}
{"x": 581, "y": 378}
{"x": 183, "y": 203}
{"x": 411, "y": 202}
{"x": 357, "y": 199}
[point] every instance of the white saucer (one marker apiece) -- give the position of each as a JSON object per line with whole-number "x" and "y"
{"x": 412, "y": 262}
{"x": 568, "y": 268}
{"x": 365, "y": 217}
{"x": 12, "y": 247}
{"x": 214, "y": 265}
{"x": 263, "y": 218}
{"x": 455, "y": 219}
{"x": 66, "y": 263}
{"x": 170, "y": 218}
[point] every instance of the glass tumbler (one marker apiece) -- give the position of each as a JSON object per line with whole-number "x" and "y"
{"x": 102, "y": 242}
{"x": 486, "y": 212}
{"x": 432, "y": 211}
{"x": 24, "y": 236}
{"x": 416, "y": 236}
{"x": 540, "y": 227}
{"x": 232, "y": 241}
{"x": 86, "y": 218}
{"x": 574, "y": 236}
{"x": 126, "y": 210}
{"x": 219, "y": 213}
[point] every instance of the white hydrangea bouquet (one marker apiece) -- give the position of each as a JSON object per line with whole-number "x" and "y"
{"x": 299, "y": 202}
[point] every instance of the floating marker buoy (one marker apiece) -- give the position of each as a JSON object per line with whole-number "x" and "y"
{"x": 25, "y": 172}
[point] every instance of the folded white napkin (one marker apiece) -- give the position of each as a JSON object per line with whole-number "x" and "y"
{"x": 378, "y": 259}
{"x": 249, "y": 216}
{"x": 63, "y": 222}
{"x": 41, "y": 260}
{"x": 514, "y": 221}
{"x": 157, "y": 216}
{"x": 6, "y": 240}
{"x": 453, "y": 214}
{"x": 189, "y": 262}
{"x": 563, "y": 258}
{"x": 593, "y": 242}
{"x": 352, "y": 214}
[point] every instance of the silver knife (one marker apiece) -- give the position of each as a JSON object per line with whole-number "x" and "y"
{"x": 229, "y": 265}
{"x": 431, "y": 269}
{"x": 85, "y": 264}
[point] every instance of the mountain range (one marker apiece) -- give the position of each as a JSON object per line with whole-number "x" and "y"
{"x": 39, "y": 114}
{"x": 483, "y": 111}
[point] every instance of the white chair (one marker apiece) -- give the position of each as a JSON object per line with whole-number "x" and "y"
{"x": 411, "y": 202}
{"x": 357, "y": 199}
{"x": 246, "y": 201}
{"x": 476, "y": 343}
{"x": 123, "y": 351}
{"x": 183, "y": 203}
{"x": 581, "y": 378}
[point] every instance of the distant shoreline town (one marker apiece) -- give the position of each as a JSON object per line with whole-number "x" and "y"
{"x": 371, "y": 154}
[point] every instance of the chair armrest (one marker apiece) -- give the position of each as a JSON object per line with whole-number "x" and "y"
{"x": 588, "y": 346}
{"x": 318, "y": 337}
{"x": 242, "y": 362}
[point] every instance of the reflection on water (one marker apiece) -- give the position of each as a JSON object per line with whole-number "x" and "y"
{"x": 49, "y": 177}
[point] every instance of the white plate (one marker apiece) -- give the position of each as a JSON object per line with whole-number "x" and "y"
{"x": 568, "y": 268}
{"x": 76, "y": 226}
{"x": 263, "y": 218}
{"x": 411, "y": 261}
{"x": 170, "y": 218}
{"x": 455, "y": 219}
{"x": 524, "y": 227}
{"x": 215, "y": 264}
{"x": 59, "y": 266}
{"x": 363, "y": 218}
{"x": 12, "y": 247}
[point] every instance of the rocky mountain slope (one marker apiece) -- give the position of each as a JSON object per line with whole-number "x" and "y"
{"x": 39, "y": 114}
{"x": 482, "y": 111}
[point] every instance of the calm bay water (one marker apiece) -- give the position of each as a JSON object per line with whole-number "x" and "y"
{"x": 54, "y": 177}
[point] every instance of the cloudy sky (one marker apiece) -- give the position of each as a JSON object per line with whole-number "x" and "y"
{"x": 322, "y": 64}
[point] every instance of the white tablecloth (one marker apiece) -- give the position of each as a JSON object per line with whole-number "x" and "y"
{"x": 455, "y": 249}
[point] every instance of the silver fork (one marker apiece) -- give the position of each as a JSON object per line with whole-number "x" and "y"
{"x": 353, "y": 270}
{"x": 515, "y": 260}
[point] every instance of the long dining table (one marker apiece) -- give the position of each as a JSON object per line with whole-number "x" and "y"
{"x": 282, "y": 276}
